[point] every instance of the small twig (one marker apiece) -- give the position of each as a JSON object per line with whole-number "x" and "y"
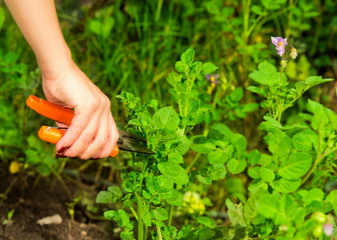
{"x": 8, "y": 189}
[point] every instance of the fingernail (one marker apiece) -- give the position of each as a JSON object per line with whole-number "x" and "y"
{"x": 61, "y": 150}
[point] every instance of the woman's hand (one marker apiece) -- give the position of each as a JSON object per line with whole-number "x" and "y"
{"x": 93, "y": 132}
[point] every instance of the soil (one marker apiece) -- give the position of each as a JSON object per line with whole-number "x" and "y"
{"x": 34, "y": 200}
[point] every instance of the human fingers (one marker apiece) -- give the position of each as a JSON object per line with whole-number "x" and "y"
{"x": 113, "y": 136}
{"x": 100, "y": 139}
{"x": 81, "y": 131}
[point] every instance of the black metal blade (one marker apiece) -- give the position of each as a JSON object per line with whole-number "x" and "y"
{"x": 130, "y": 142}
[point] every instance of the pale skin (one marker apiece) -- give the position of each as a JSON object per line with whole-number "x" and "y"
{"x": 93, "y": 132}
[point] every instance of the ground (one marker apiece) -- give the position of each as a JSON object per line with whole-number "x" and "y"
{"x": 33, "y": 200}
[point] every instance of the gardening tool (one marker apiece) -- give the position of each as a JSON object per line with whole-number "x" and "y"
{"x": 127, "y": 141}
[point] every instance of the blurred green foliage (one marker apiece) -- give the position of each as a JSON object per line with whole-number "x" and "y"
{"x": 262, "y": 155}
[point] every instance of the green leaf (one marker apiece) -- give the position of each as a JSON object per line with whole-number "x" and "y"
{"x": 188, "y": 56}
{"x": 236, "y": 166}
{"x": 222, "y": 132}
{"x": 254, "y": 172}
{"x": 217, "y": 172}
{"x": 169, "y": 232}
{"x": 279, "y": 144}
{"x": 160, "y": 214}
{"x": 257, "y": 185}
{"x": 121, "y": 217}
{"x": 240, "y": 143}
{"x": 43, "y": 169}
{"x": 305, "y": 140}
{"x": 206, "y": 221}
{"x": 250, "y": 107}
{"x": 286, "y": 186}
{"x": 109, "y": 214}
{"x": 173, "y": 79}
{"x": 217, "y": 157}
{"x": 254, "y": 157}
{"x": 267, "y": 174}
{"x": 111, "y": 195}
{"x": 181, "y": 67}
{"x": 267, "y": 74}
{"x": 250, "y": 210}
{"x": 175, "y": 158}
{"x": 314, "y": 194}
{"x": 208, "y": 68}
{"x": 236, "y": 94}
{"x": 315, "y": 80}
{"x": 235, "y": 213}
{"x": 147, "y": 219}
{"x": 204, "y": 179}
{"x": 332, "y": 117}
{"x": 295, "y": 166}
{"x": 174, "y": 197}
{"x": 104, "y": 197}
{"x": 166, "y": 118}
{"x": 319, "y": 113}
{"x": 130, "y": 180}
{"x": 268, "y": 206}
{"x": 179, "y": 145}
{"x": 202, "y": 144}
{"x": 257, "y": 90}
{"x": 2, "y": 17}
{"x": 174, "y": 172}
{"x": 332, "y": 198}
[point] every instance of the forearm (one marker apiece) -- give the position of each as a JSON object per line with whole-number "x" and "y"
{"x": 38, "y": 22}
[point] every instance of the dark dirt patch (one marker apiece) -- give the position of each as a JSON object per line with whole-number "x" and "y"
{"x": 47, "y": 198}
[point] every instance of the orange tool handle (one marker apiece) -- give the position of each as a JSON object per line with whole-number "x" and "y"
{"x": 53, "y": 135}
{"x": 50, "y": 110}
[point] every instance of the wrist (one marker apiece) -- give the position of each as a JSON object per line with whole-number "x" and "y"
{"x": 55, "y": 64}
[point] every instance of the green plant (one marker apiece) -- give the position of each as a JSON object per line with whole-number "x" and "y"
{"x": 279, "y": 199}
{"x": 155, "y": 184}
{"x": 9, "y": 220}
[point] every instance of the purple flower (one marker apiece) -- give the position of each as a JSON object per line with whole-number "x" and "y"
{"x": 280, "y": 43}
{"x": 213, "y": 79}
{"x": 328, "y": 229}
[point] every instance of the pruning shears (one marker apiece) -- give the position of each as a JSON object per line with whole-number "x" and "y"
{"x": 126, "y": 142}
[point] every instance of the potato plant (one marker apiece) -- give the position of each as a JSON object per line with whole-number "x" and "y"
{"x": 284, "y": 197}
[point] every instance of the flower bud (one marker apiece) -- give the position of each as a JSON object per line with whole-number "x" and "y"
{"x": 283, "y": 63}
{"x": 14, "y": 167}
{"x": 328, "y": 229}
{"x": 293, "y": 53}
{"x": 319, "y": 217}
{"x": 283, "y": 228}
{"x": 318, "y": 230}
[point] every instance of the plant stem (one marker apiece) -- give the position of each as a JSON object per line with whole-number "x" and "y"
{"x": 159, "y": 6}
{"x": 134, "y": 213}
{"x": 290, "y": 16}
{"x": 140, "y": 218}
{"x": 245, "y": 35}
{"x": 280, "y": 105}
{"x": 145, "y": 233}
{"x": 246, "y": 19}
{"x": 170, "y": 215}
{"x": 189, "y": 167}
{"x": 140, "y": 206}
{"x": 317, "y": 160}
{"x": 159, "y": 233}
{"x": 59, "y": 178}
